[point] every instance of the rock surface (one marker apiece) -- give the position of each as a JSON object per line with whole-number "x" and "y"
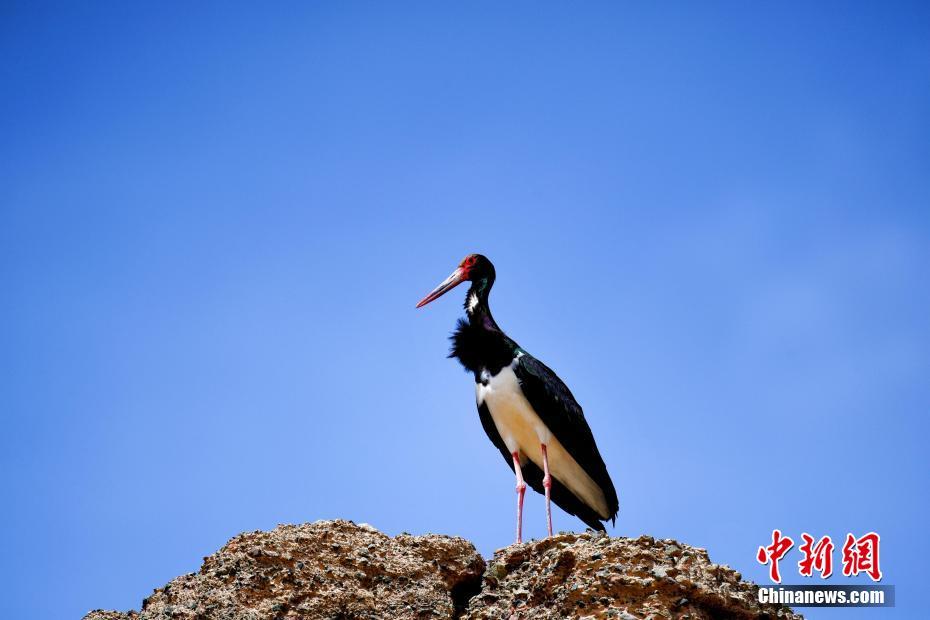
{"x": 595, "y": 576}
{"x": 339, "y": 570}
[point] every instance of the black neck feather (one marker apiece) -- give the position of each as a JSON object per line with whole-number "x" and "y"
{"x": 478, "y": 343}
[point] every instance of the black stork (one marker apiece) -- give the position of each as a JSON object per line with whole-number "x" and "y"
{"x": 527, "y": 411}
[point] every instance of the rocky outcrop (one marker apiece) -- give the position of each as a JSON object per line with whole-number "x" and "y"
{"x": 339, "y": 570}
{"x": 327, "y": 569}
{"x": 596, "y": 576}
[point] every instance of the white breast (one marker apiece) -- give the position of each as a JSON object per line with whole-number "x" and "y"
{"x": 523, "y": 431}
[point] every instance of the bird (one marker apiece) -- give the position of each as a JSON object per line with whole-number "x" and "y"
{"x": 527, "y": 411}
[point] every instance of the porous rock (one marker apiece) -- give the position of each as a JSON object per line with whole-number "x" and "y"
{"x": 338, "y": 570}
{"x": 327, "y": 569}
{"x": 595, "y": 576}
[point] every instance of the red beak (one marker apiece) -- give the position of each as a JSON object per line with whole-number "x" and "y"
{"x": 458, "y": 276}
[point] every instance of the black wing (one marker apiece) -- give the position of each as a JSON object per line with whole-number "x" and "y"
{"x": 561, "y": 413}
{"x": 533, "y": 476}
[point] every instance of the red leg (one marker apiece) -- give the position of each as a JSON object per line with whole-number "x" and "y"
{"x": 547, "y": 483}
{"x": 521, "y": 489}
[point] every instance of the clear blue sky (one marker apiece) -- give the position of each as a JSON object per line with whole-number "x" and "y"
{"x": 713, "y": 222}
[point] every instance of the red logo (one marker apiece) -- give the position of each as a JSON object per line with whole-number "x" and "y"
{"x": 860, "y": 555}
{"x": 816, "y": 557}
{"x": 774, "y": 552}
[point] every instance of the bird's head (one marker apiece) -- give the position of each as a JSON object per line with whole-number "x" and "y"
{"x": 474, "y": 268}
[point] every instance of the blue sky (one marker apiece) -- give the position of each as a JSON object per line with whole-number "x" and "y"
{"x": 215, "y": 221}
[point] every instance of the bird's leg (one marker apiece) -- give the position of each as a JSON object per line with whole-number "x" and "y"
{"x": 521, "y": 489}
{"x": 547, "y": 483}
